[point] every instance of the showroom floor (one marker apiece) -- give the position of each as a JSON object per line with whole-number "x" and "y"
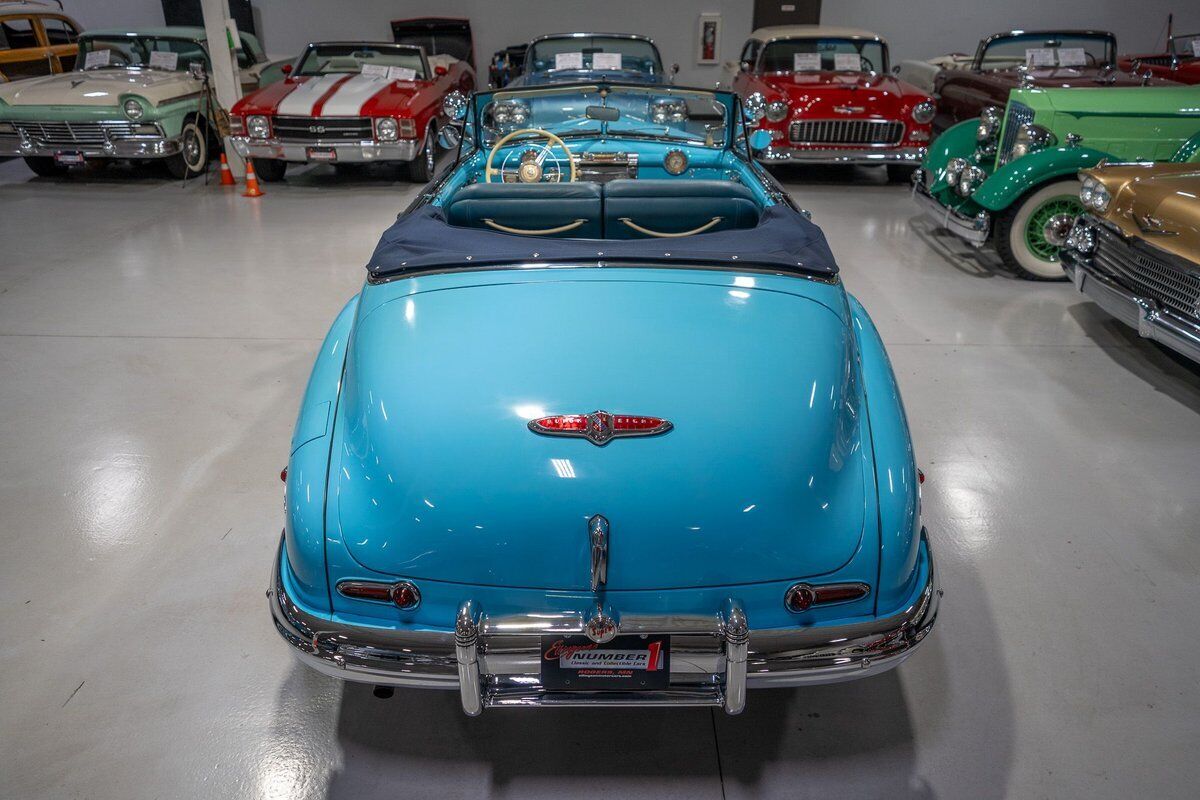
{"x": 154, "y": 343}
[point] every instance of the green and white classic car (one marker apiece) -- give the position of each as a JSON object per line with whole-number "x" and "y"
{"x": 133, "y": 95}
{"x": 1009, "y": 177}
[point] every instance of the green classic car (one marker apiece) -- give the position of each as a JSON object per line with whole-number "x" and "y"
{"x": 133, "y": 95}
{"x": 1009, "y": 177}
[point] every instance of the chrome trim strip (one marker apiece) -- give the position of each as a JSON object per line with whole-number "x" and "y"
{"x": 354, "y": 151}
{"x": 496, "y": 661}
{"x": 879, "y": 154}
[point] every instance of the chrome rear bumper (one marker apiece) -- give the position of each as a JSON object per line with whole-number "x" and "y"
{"x": 783, "y": 152}
{"x": 495, "y": 661}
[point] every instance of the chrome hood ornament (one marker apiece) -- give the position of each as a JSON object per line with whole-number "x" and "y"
{"x": 599, "y": 427}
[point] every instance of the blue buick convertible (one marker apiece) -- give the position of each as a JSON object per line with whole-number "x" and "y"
{"x": 603, "y": 427}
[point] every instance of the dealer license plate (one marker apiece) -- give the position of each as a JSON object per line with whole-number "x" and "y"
{"x": 629, "y": 663}
{"x": 322, "y": 154}
{"x": 68, "y": 159}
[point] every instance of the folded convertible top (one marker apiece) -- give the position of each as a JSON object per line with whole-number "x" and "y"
{"x": 421, "y": 240}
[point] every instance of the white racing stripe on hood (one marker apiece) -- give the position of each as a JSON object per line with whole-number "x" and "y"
{"x": 348, "y": 100}
{"x": 302, "y": 99}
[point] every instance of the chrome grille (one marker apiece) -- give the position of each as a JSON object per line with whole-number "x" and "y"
{"x": 1158, "y": 61}
{"x": 1018, "y": 114}
{"x": 1174, "y": 287}
{"x": 846, "y": 131}
{"x": 75, "y": 134}
{"x": 323, "y": 129}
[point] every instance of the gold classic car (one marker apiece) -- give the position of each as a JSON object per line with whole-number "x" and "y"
{"x": 35, "y": 39}
{"x": 1137, "y": 250}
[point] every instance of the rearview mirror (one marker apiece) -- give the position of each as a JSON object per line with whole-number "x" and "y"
{"x": 603, "y": 113}
{"x": 455, "y": 105}
{"x": 759, "y": 140}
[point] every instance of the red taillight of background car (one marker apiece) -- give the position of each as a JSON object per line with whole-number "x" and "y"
{"x": 802, "y": 596}
{"x": 403, "y": 594}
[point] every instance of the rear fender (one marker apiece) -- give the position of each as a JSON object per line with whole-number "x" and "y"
{"x": 1017, "y": 177}
{"x": 308, "y": 467}
{"x": 896, "y": 480}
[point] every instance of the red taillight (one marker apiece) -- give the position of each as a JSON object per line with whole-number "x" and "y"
{"x": 920, "y": 476}
{"x": 801, "y": 596}
{"x": 404, "y": 594}
{"x": 283, "y": 474}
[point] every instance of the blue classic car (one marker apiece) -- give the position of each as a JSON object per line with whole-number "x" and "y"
{"x": 571, "y": 57}
{"x": 603, "y": 427}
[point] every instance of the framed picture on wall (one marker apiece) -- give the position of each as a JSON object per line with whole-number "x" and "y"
{"x": 708, "y": 44}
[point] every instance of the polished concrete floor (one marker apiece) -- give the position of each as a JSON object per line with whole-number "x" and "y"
{"x": 154, "y": 342}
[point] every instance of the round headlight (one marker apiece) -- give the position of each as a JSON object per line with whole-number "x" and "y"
{"x": 954, "y": 169}
{"x": 258, "y": 127}
{"x": 133, "y": 109}
{"x": 1086, "y": 189}
{"x": 969, "y": 181}
{"x": 923, "y": 112}
{"x": 777, "y": 110}
{"x": 386, "y": 129}
{"x": 1100, "y": 198}
{"x": 1031, "y": 138}
{"x": 755, "y": 106}
{"x": 675, "y": 162}
{"x": 989, "y": 124}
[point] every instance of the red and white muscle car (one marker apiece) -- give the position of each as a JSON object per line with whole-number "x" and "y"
{"x": 826, "y": 95}
{"x": 350, "y": 102}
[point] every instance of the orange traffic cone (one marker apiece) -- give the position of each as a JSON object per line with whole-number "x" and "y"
{"x": 226, "y": 173}
{"x": 252, "y": 189}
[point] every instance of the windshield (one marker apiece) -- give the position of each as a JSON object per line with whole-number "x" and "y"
{"x": 346, "y": 59}
{"x": 151, "y": 52}
{"x": 834, "y": 55}
{"x": 1186, "y": 46}
{"x": 1048, "y": 50}
{"x": 662, "y": 113}
{"x": 594, "y": 52}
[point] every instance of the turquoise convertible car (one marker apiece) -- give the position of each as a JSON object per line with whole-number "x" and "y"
{"x": 603, "y": 427}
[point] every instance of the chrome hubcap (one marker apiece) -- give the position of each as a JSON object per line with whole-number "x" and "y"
{"x": 1057, "y": 228}
{"x": 191, "y": 149}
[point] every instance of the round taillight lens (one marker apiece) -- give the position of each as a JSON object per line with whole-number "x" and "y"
{"x": 406, "y": 596}
{"x": 800, "y": 598}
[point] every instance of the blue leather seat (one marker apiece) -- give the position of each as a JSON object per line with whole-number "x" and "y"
{"x": 675, "y": 207}
{"x": 573, "y": 210}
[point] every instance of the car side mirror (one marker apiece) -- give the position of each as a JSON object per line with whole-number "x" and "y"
{"x": 286, "y": 69}
{"x": 455, "y": 105}
{"x": 759, "y": 139}
{"x": 449, "y": 136}
{"x": 440, "y": 70}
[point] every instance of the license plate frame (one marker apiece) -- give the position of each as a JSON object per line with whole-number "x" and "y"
{"x": 634, "y": 663}
{"x": 69, "y": 158}
{"x": 321, "y": 154}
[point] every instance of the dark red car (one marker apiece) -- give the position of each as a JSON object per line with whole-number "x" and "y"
{"x": 826, "y": 95}
{"x": 1180, "y": 63}
{"x": 350, "y": 102}
{"x": 1006, "y": 61}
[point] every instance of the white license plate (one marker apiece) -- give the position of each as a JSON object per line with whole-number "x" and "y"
{"x": 322, "y": 154}
{"x": 68, "y": 159}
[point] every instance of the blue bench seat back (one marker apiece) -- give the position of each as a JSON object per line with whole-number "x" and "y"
{"x": 531, "y": 207}
{"x": 676, "y": 206}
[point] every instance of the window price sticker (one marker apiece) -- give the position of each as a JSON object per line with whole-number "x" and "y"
{"x": 606, "y": 60}
{"x": 374, "y": 70}
{"x": 806, "y": 62}
{"x": 847, "y": 62}
{"x": 1039, "y": 57}
{"x": 1072, "y": 57}
{"x": 97, "y": 58}
{"x": 568, "y": 60}
{"x": 163, "y": 59}
{"x": 401, "y": 74}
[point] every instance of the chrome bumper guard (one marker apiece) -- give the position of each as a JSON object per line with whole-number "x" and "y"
{"x": 1143, "y": 314}
{"x": 975, "y": 230}
{"x": 137, "y": 146}
{"x": 495, "y": 661}
{"x": 356, "y": 152}
{"x": 777, "y": 153}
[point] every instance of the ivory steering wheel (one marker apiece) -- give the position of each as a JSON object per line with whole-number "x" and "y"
{"x": 530, "y": 171}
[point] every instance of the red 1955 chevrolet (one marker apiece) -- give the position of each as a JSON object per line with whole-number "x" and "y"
{"x": 350, "y": 102}
{"x": 826, "y": 95}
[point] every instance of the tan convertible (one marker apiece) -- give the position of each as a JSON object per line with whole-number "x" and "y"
{"x": 1137, "y": 251}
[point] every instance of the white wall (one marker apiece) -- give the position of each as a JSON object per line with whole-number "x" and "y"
{"x": 915, "y": 28}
